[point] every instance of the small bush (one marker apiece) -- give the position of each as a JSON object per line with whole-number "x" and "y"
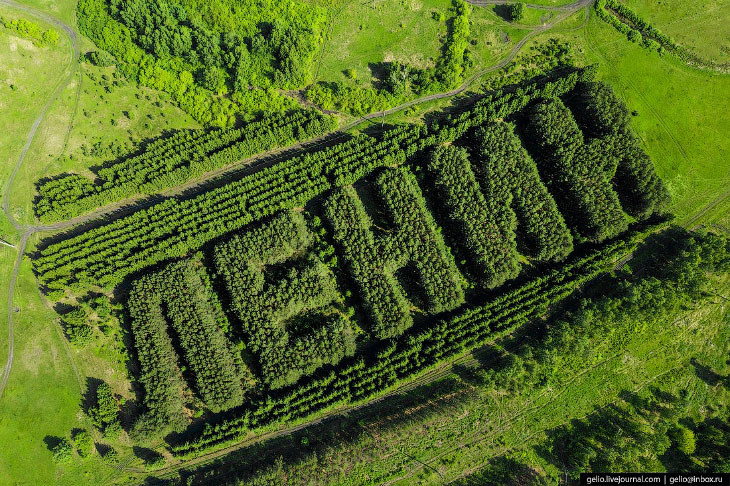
{"x": 83, "y": 443}
{"x": 113, "y": 430}
{"x": 100, "y": 58}
{"x": 152, "y": 460}
{"x": 62, "y": 452}
{"x": 110, "y": 456}
{"x": 635, "y": 36}
{"x": 516, "y": 12}
{"x": 350, "y": 73}
{"x": 684, "y": 439}
{"x": 76, "y": 326}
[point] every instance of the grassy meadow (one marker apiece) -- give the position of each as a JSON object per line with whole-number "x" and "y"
{"x": 700, "y": 25}
{"x": 108, "y": 117}
{"x": 28, "y": 76}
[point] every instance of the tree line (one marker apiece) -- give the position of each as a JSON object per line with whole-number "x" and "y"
{"x": 174, "y": 160}
{"x": 642, "y": 32}
{"x": 363, "y": 376}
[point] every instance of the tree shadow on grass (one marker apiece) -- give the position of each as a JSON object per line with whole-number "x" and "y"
{"x": 52, "y": 441}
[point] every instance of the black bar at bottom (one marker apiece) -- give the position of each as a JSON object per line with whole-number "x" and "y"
{"x": 670, "y": 479}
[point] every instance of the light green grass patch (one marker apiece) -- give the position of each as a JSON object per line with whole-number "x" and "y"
{"x": 374, "y": 31}
{"x": 701, "y": 25}
{"x": 681, "y": 115}
{"x": 28, "y": 75}
{"x": 110, "y": 110}
{"x": 42, "y": 396}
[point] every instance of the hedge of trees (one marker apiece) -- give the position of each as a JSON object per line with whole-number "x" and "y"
{"x": 501, "y": 159}
{"x": 105, "y": 255}
{"x": 574, "y": 173}
{"x": 174, "y": 160}
{"x": 641, "y": 31}
{"x": 177, "y": 296}
{"x": 293, "y": 324}
{"x": 486, "y": 222}
{"x": 641, "y": 192}
{"x": 362, "y": 377}
{"x": 374, "y": 258}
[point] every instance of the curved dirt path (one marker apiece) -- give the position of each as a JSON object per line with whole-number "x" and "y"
{"x": 73, "y": 65}
{"x": 27, "y": 230}
{"x": 559, "y": 8}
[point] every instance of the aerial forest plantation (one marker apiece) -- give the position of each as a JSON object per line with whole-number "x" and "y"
{"x": 376, "y": 242}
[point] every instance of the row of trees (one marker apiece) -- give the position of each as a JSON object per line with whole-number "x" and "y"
{"x": 174, "y": 160}
{"x": 412, "y": 242}
{"x": 650, "y": 36}
{"x": 502, "y": 160}
{"x": 107, "y": 254}
{"x": 574, "y": 172}
{"x": 293, "y": 323}
{"x": 415, "y": 351}
{"x": 485, "y": 220}
{"x": 177, "y": 296}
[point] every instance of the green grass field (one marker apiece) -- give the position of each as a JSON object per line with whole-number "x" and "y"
{"x": 42, "y": 396}
{"x": 110, "y": 111}
{"x": 681, "y": 116}
{"x": 700, "y": 26}
{"x": 366, "y": 33}
{"x": 28, "y": 76}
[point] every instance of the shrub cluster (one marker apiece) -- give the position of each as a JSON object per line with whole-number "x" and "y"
{"x": 293, "y": 324}
{"x": 176, "y": 295}
{"x": 413, "y": 241}
{"x": 75, "y": 323}
{"x": 31, "y": 30}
